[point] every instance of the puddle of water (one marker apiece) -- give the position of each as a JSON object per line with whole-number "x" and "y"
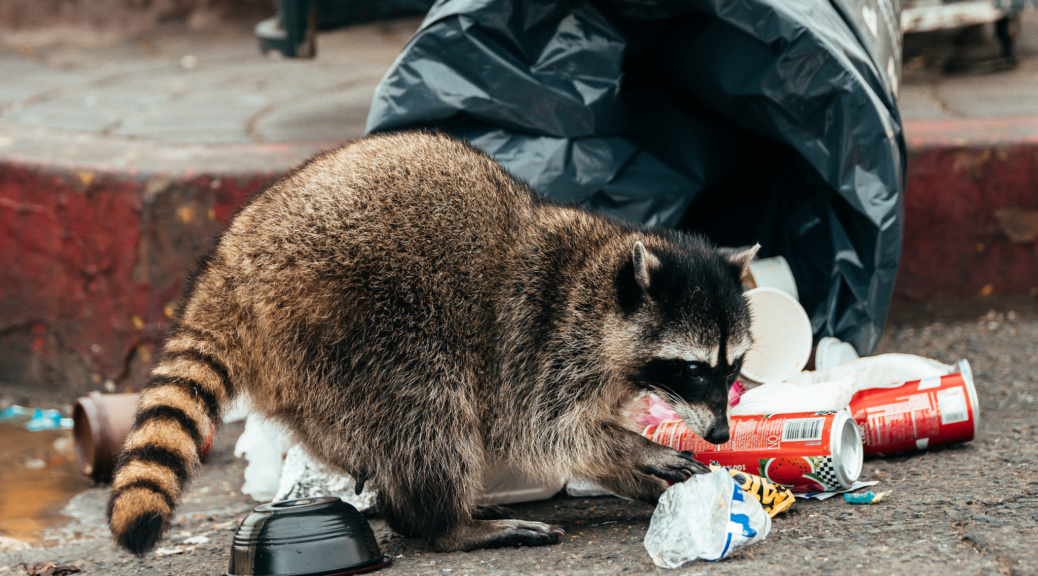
{"x": 38, "y": 476}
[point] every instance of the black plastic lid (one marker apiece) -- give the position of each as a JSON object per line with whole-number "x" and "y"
{"x": 307, "y": 537}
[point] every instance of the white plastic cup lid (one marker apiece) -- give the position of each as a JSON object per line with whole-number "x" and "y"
{"x": 831, "y": 352}
{"x": 782, "y": 336}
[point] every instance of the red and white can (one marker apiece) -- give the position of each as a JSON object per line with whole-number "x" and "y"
{"x": 920, "y": 414}
{"x": 806, "y": 452}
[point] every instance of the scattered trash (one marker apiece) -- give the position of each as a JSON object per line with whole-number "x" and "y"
{"x": 264, "y": 445}
{"x": 34, "y": 464}
{"x": 579, "y": 488}
{"x": 917, "y": 415}
{"x": 826, "y": 495}
{"x": 229, "y": 525}
{"x": 200, "y": 539}
{"x": 735, "y": 393}
{"x": 652, "y": 410}
{"x": 304, "y": 477}
{"x": 831, "y": 352}
{"x": 806, "y": 452}
{"x": 38, "y": 419}
{"x": 782, "y": 337}
{"x": 12, "y": 544}
{"x": 833, "y": 389}
{"x": 306, "y": 536}
{"x": 772, "y": 272}
{"x": 706, "y": 517}
{"x": 866, "y": 498}
{"x": 101, "y": 423}
{"x": 168, "y": 551}
{"x": 47, "y": 420}
{"x": 50, "y": 570}
{"x": 772, "y": 497}
{"x": 15, "y": 412}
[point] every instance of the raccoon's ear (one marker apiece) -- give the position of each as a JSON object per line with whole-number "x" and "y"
{"x": 740, "y": 259}
{"x": 644, "y": 263}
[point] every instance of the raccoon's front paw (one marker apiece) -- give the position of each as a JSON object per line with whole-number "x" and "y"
{"x": 674, "y": 466}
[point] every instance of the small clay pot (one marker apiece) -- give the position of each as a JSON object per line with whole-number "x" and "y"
{"x": 101, "y": 423}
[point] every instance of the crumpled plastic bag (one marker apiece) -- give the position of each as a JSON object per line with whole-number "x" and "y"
{"x": 264, "y": 444}
{"x": 707, "y": 517}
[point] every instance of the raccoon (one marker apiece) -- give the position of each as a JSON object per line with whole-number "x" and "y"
{"x": 413, "y": 313}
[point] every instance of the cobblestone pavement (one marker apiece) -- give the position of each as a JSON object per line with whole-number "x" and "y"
{"x": 182, "y": 87}
{"x": 966, "y": 509}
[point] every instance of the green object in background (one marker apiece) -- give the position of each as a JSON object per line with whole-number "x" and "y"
{"x": 293, "y": 30}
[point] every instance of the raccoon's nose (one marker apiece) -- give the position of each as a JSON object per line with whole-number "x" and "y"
{"x": 717, "y": 434}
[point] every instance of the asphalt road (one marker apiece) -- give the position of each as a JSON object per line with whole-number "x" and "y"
{"x": 966, "y": 509}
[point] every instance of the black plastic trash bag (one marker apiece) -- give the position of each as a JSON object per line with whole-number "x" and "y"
{"x": 750, "y": 121}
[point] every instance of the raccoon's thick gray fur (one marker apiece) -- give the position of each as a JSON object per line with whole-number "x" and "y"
{"x": 413, "y": 313}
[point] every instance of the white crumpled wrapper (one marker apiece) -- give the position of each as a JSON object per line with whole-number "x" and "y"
{"x": 833, "y": 389}
{"x": 304, "y": 477}
{"x": 707, "y": 517}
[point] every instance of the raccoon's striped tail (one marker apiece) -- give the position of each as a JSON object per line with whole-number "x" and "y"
{"x": 176, "y": 417}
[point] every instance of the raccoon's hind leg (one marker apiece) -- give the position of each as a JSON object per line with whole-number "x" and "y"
{"x": 430, "y": 484}
{"x": 635, "y": 467}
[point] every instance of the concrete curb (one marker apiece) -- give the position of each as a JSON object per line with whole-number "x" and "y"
{"x": 96, "y": 250}
{"x": 98, "y": 241}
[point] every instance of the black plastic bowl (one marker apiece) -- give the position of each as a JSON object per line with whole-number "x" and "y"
{"x": 307, "y": 537}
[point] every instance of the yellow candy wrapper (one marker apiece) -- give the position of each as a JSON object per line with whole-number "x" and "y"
{"x": 772, "y": 497}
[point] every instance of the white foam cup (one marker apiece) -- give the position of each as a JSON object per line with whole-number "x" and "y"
{"x": 782, "y": 336}
{"x": 774, "y": 272}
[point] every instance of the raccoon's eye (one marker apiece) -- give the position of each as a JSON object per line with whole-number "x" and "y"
{"x": 733, "y": 369}
{"x": 695, "y": 369}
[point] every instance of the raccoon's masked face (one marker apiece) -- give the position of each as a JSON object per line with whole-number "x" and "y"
{"x": 694, "y": 324}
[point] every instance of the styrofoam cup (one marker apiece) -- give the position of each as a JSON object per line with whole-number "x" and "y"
{"x": 774, "y": 272}
{"x": 782, "y": 336}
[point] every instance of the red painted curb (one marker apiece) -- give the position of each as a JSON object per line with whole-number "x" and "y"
{"x": 98, "y": 234}
{"x": 971, "y": 185}
{"x": 96, "y": 243}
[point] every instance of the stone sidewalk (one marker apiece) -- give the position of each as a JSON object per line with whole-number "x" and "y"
{"x": 121, "y": 157}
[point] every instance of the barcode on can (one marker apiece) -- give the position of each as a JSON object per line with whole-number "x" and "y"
{"x": 952, "y": 404}
{"x": 802, "y": 429}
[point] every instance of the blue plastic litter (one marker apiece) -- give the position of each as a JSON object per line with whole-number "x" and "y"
{"x": 47, "y": 420}
{"x": 14, "y": 413}
{"x": 866, "y": 498}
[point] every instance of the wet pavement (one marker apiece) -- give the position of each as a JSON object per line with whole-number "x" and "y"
{"x": 38, "y": 478}
{"x": 965, "y": 509}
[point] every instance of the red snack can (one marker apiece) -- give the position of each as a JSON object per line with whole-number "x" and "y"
{"x": 805, "y": 452}
{"x": 920, "y": 414}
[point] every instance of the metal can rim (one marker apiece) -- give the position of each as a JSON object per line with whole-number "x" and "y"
{"x": 847, "y": 465}
{"x": 962, "y": 367}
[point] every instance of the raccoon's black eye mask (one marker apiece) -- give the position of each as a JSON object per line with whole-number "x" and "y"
{"x": 677, "y": 374}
